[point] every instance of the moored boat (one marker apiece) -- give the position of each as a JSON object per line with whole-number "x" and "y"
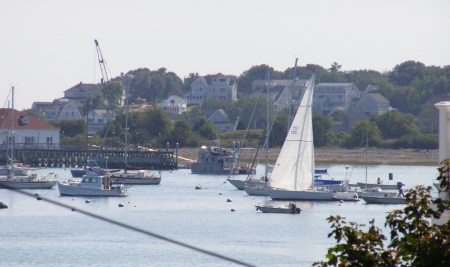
{"x": 384, "y": 199}
{"x": 291, "y": 208}
{"x": 92, "y": 185}
{"x": 135, "y": 178}
{"x": 26, "y": 182}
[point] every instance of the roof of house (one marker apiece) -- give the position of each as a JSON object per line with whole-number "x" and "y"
{"x": 377, "y": 97}
{"x": 85, "y": 87}
{"x": 34, "y": 123}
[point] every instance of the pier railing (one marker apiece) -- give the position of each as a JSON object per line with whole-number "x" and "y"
{"x": 138, "y": 157}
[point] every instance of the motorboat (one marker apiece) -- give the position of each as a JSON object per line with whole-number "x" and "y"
{"x": 384, "y": 199}
{"x": 140, "y": 177}
{"x": 218, "y": 160}
{"x": 270, "y": 208}
{"x": 92, "y": 185}
{"x": 379, "y": 185}
{"x": 27, "y": 182}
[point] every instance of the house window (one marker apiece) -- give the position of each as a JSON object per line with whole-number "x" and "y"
{"x": 172, "y": 101}
{"x": 49, "y": 141}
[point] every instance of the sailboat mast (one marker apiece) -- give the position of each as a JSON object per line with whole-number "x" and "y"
{"x": 126, "y": 129}
{"x": 267, "y": 127}
{"x": 12, "y": 126}
{"x": 367, "y": 148}
{"x": 294, "y": 76}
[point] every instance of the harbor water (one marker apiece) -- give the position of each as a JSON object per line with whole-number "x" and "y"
{"x": 37, "y": 233}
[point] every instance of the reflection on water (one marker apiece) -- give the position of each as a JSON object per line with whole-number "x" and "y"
{"x": 38, "y": 233}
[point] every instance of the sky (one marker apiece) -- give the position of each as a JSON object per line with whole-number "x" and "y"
{"x": 47, "y": 46}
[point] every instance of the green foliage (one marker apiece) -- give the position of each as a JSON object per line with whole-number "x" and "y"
{"x": 245, "y": 80}
{"x": 205, "y": 128}
{"x": 154, "y": 86}
{"x": 254, "y": 138}
{"x": 113, "y": 93}
{"x": 183, "y": 135}
{"x": 360, "y": 131}
{"x": 321, "y": 127}
{"x": 405, "y": 73}
{"x": 414, "y": 239}
{"x": 71, "y": 128}
{"x": 417, "y": 142}
{"x": 394, "y": 124}
{"x": 279, "y": 131}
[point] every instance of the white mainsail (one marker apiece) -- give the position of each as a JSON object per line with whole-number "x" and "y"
{"x": 294, "y": 169}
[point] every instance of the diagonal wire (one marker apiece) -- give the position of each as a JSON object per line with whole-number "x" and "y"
{"x": 129, "y": 227}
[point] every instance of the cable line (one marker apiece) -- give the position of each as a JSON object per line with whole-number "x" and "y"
{"x": 129, "y": 227}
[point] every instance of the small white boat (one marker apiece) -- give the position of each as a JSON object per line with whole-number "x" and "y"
{"x": 384, "y": 199}
{"x": 26, "y": 182}
{"x": 373, "y": 185}
{"x": 135, "y": 178}
{"x": 291, "y": 208}
{"x": 92, "y": 185}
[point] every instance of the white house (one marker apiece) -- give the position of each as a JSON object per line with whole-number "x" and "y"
{"x": 329, "y": 97}
{"x": 69, "y": 111}
{"x": 97, "y": 119}
{"x": 221, "y": 121}
{"x": 26, "y": 131}
{"x": 174, "y": 105}
{"x": 219, "y": 87}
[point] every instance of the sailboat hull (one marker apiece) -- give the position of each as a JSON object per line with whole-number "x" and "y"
{"x": 312, "y": 194}
{"x": 18, "y": 184}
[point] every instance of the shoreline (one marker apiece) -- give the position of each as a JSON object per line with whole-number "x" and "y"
{"x": 375, "y": 156}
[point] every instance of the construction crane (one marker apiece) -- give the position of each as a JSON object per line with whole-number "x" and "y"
{"x": 102, "y": 62}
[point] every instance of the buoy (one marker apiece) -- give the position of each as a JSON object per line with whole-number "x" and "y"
{"x": 228, "y": 200}
{"x": 3, "y": 205}
{"x": 342, "y": 201}
{"x": 88, "y": 201}
{"x": 220, "y": 193}
{"x": 232, "y": 210}
{"x": 198, "y": 187}
{"x": 120, "y": 205}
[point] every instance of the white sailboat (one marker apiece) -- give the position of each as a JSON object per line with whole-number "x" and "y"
{"x": 140, "y": 177}
{"x": 293, "y": 174}
{"x": 21, "y": 178}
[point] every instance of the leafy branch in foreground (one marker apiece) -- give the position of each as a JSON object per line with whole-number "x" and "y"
{"x": 414, "y": 239}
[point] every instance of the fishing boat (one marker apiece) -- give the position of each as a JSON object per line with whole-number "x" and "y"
{"x": 218, "y": 160}
{"x": 293, "y": 174}
{"x": 387, "y": 199}
{"x": 138, "y": 177}
{"x": 270, "y": 208}
{"x": 91, "y": 185}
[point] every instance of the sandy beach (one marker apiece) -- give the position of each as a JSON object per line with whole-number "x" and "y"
{"x": 350, "y": 156}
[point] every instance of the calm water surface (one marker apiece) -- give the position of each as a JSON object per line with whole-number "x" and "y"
{"x": 40, "y": 234}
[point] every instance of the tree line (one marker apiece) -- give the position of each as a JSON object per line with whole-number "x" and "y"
{"x": 411, "y": 87}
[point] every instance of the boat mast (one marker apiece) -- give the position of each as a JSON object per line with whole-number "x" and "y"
{"x": 367, "y": 148}
{"x": 291, "y": 97}
{"x": 267, "y": 127}
{"x": 126, "y": 129}
{"x": 12, "y": 127}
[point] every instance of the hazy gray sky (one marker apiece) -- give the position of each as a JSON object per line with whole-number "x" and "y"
{"x": 47, "y": 46}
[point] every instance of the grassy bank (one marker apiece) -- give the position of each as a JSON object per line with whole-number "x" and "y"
{"x": 348, "y": 156}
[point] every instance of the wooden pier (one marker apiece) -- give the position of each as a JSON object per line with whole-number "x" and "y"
{"x": 106, "y": 158}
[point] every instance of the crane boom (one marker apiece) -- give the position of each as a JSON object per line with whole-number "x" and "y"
{"x": 102, "y": 62}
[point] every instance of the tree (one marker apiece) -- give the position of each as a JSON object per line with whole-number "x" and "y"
{"x": 405, "y": 73}
{"x": 321, "y": 128}
{"x": 205, "y": 128}
{"x": 182, "y": 134}
{"x": 113, "y": 93}
{"x": 72, "y": 128}
{"x": 394, "y": 124}
{"x": 245, "y": 80}
{"x": 362, "y": 130}
{"x": 414, "y": 239}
